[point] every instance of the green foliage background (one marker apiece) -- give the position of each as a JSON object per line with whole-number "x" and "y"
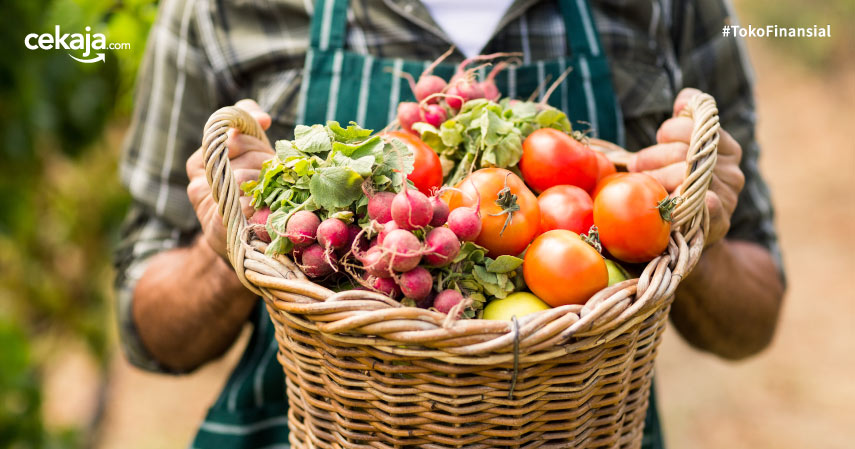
{"x": 60, "y": 200}
{"x": 61, "y": 203}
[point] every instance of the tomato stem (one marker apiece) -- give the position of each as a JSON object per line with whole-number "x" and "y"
{"x": 666, "y": 207}
{"x": 593, "y": 238}
{"x": 508, "y": 202}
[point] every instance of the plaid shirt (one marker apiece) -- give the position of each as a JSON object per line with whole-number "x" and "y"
{"x": 202, "y": 55}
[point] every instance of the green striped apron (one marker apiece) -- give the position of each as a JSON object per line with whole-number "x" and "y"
{"x": 342, "y": 85}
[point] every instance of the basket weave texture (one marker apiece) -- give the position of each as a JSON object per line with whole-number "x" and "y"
{"x": 363, "y": 371}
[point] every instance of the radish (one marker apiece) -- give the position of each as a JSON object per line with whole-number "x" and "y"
{"x": 433, "y": 114}
{"x": 408, "y": 113}
{"x": 411, "y": 209}
{"x": 356, "y": 241}
{"x": 416, "y": 284}
{"x": 465, "y": 222}
{"x": 447, "y": 299}
{"x": 442, "y": 247}
{"x": 491, "y": 92}
{"x": 332, "y": 233}
{"x": 429, "y": 83}
{"x": 465, "y": 89}
{"x": 376, "y": 262}
{"x": 440, "y": 211}
{"x": 387, "y": 286}
{"x": 387, "y": 228}
{"x": 380, "y": 207}
{"x": 259, "y": 222}
{"x": 302, "y": 228}
{"x": 463, "y": 83}
{"x": 404, "y": 250}
{"x": 427, "y": 86}
{"x": 314, "y": 262}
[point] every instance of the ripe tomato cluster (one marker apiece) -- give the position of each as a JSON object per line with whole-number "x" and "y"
{"x": 578, "y": 189}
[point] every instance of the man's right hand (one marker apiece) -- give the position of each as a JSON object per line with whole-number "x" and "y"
{"x": 246, "y": 154}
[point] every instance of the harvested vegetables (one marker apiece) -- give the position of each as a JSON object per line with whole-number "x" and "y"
{"x": 357, "y": 210}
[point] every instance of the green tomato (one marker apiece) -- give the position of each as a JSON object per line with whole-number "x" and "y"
{"x": 516, "y": 304}
{"x": 616, "y": 272}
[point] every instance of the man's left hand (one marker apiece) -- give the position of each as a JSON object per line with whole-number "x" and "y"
{"x": 666, "y": 161}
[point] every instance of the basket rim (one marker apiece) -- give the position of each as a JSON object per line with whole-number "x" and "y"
{"x": 364, "y": 317}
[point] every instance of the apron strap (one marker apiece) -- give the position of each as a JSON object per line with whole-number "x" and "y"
{"x": 582, "y": 36}
{"x": 331, "y": 30}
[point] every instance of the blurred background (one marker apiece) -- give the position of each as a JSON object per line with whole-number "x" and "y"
{"x": 64, "y": 383}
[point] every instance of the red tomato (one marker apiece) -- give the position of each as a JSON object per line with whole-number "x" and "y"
{"x": 551, "y": 157}
{"x": 487, "y": 184}
{"x": 427, "y": 170}
{"x": 604, "y": 166}
{"x": 560, "y": 268}
{"x": 566, "y": 207}
{"x": 627, "y": 214}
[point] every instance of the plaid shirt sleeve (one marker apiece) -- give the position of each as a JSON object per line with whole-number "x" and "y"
{"x": 719, "y": 66}
{"x": 176, "y": 92}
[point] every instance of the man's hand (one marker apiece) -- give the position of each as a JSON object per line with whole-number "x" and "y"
{"x": 246, "y": 154}
{"x": 192, "y": 293}
{"x": 666, "y": 162}
{"x": 729, "y": 303}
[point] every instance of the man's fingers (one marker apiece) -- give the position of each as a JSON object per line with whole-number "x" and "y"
{"x": 239, "y": 144}
{"x": 658, "y": 156}
{"x": 683, "y": 99}
{"x": 676, "y": 129}
{"x": 194, "y": 164}
{"x": 245, "y": 207}
{"x": 670, "y": 176}
{"x": 251, "y": 159}
{"x": 728, "y": 146}
{"x": 255, "y": 111}
{"x": 198, "y": 190}
{"x": 719, "y": 218}
{"x": 245, "y": 174}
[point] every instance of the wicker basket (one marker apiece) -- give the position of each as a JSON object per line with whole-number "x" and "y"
{"x": 363, "y": 371}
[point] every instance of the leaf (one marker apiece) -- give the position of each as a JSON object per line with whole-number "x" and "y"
{"x": 353, "y": 132}
{"x": 279, "y": 245}
{"x": 285, "y": 150}
{"x": 524, "y": 110}
{"x": 363, "y": 165}
{"x": 343, "y": 215}
{"x": 503, "y": 264}
{"x": 312, "y": 139}
{"x": 484, "y": 276}
{"x": 553, "y": 118}
{"x": 451, "y": 133}
{"x": 372, "y": 146}
{"x": 335, "y": 187}
{"x": 469, "y": 250}
{"x": 397, "y": 156}
{"x": 495, "y": 290}
{"x": 506, "y": 153}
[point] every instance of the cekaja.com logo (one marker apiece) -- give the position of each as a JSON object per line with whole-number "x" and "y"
{"x": 75, "y": 41}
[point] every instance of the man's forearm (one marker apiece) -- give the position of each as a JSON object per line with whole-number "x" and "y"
{"x": 729, "y": 304}
{"x": 189, "y": 306}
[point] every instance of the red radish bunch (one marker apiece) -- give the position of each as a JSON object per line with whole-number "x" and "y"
{"x": 415, "y": 236}
{"x": 463, "y": 86}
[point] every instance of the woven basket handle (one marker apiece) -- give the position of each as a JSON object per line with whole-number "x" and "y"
{"x": 691, "y": 216}
{"x": 224, "y": 188}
